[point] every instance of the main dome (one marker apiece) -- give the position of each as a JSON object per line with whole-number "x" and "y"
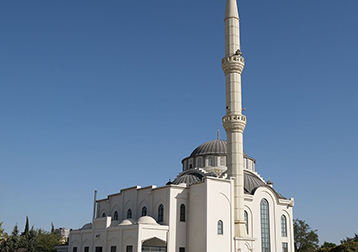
{"x": 212, "y": 156}
{"x": 211, "y": 148}
{"x": 214, "y": 147}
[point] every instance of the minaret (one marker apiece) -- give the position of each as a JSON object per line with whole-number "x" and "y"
{"x": 234, "y": 121}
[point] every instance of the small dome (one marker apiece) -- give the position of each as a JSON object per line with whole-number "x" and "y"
{"x": 189, "y": 178}
{"x": 251, "y": 182}
{"x": 87, "y": 226}
{"x": 127, "y": 222}
{"x": 146, "y": 220}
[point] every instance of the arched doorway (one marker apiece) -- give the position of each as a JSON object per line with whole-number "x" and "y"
{"x": 154, "y": 244}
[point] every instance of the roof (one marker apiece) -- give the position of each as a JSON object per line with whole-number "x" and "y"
{"x": 87, "y": 226}
{"x": 251, "y": 181}
{"x": 189, "y": 178}
{"x": 215, "y": 147}
{"x": 212, "y": 147}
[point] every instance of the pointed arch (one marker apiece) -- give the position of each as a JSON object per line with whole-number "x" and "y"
{"x": 144, "y": 211}
{"x": 115, "y": 215}
{"x": 129, "y": 214}
{"x": 129, "y": 205}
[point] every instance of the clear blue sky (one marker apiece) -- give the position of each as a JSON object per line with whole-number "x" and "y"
{"x": 110, "y": 94}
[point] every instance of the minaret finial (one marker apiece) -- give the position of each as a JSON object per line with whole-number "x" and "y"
{"x": 218, "y": 134}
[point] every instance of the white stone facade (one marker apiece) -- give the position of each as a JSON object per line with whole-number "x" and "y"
{"x": 194, "y": 229}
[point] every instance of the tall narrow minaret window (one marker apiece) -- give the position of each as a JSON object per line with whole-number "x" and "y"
{"x": 234, "y": 121}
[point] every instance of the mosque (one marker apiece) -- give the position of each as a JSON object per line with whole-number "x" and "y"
{"x": 217, "y": 203}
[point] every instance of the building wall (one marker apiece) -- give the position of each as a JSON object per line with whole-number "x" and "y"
{"x": 197, "y": 218}
{"x": 205, "y": 203}
{"x": 277, "y": 208}
{"x": 219, "y": 201}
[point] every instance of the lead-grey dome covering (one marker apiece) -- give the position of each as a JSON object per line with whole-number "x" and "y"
{"x": 189, "y": 178}
{"x": 251, "y": 181}
{"x": 87, "y": 226}
{"x": 214, "y": 147}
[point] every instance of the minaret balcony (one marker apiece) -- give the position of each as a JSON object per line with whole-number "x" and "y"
{"x": 233, "y": 64}
{"x": 234, "y": 123}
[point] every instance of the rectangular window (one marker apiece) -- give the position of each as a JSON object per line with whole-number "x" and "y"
{"x": 86, "y": 249}
{"x": 113, "y": 249}
{"x": 284, "y": 247}
{"x": 129, "y": 248}
{"x": 181, "y": 249}
{"x": 74, "y": 249}
{"x": 98, "y": 249}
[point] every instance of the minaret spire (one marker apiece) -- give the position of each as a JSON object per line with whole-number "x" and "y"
{"x": 234, "y": 121}
{"x": 231, "y": 9}
{"x": 232, "y": 30}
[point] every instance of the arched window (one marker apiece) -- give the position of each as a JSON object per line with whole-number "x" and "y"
{"x": 220, "y": 227}
{"x": 129, "y": 214}
{"x": 246, "y": 222}
{"x": 283, "y": 226}
{"x": 144, "y": 211}
{"x": 210, "y": 161}
{"x": 103, "y": 215}
{"x": 199, "y": 163}
{"x": 115, "y": 216}
{"x": 265, "y": 226}
{"x": 182, "y": 212}
{"x": 160, "y": 213}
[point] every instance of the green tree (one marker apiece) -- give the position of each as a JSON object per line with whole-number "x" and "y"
{"x": 306, "y": 239}
{"x": 348, "y": 239}
{"x": 28, "y": 241}
{"x": 346, "y": 247}
{"x": 12, "y": 243}
{"x": 3, "y": 235}
{"x": 1, "y": 231}
{"x": 46, "y": 241}
{"x": 27, "y": 228}
{"x": 326, "y": 247}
